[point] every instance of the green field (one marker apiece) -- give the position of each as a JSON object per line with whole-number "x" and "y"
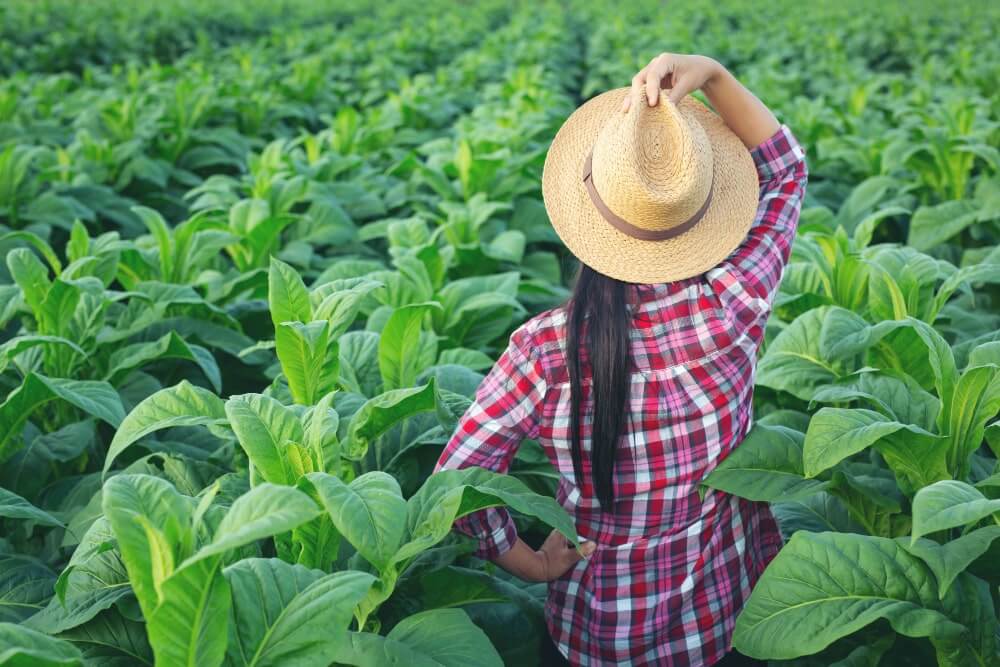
{"x": 258, "y": 256}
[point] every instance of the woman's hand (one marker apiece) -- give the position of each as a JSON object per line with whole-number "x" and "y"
{"x": 557, "y": 555}
{"x": 680, "y": 73}
{"x": 547, "y": 563}
{"x": 746, "y": 116}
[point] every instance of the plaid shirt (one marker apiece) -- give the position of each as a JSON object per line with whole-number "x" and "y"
{"x": 671, "y": 571}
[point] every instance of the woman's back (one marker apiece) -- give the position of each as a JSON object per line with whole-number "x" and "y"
{"x": 671, "y": 570}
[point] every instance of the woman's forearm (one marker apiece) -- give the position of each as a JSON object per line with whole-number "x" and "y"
{"x": 746, "y": 116}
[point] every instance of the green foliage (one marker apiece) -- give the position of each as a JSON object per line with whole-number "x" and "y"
{"x": 258, "y": 257}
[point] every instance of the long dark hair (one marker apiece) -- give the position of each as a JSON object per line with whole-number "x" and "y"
{"x": 597, "y": 311}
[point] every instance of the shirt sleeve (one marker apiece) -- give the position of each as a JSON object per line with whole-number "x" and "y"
{"x": 505, "y": 411}
{"x": 782, "y": 173}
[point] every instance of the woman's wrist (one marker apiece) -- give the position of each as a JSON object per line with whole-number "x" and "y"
{"x": 717, "y": 71}
{"x": 542, "y": 571}
{"x": 524, "y": 562}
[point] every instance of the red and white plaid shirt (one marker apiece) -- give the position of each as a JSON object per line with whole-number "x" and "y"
{"x": 671, "y": 571}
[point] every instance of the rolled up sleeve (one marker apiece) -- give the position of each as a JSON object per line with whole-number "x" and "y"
{"x": 505, "y": 412}
{"x": 782, "y": 174}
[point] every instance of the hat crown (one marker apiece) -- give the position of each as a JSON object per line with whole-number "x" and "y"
{"x": 653, "y": 165}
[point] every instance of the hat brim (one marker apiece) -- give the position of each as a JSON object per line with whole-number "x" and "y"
{"x": 608, "y": 251}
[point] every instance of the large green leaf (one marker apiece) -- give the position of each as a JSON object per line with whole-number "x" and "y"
{"x": 94, "y": 579}
{"x": 949, "y": 560}
{"x": 14, "y": 506}
{"x": 23, "y": 647}
{"x": 942, "y": 363}
{"x": 370, "y": 512}
{"x": 168, "y": 346}
{"x": 95, "y": 398}
{"x": 263, "y": 426}
{"x": 845, "y": 333}
{"x": 266, "y": 510}
{"x": 320, "y": 425}
{"x": 948, "y": 504}
{"x": 188, "y": 627}
{"x": 816, "y": 513}
{"x": 932, "y": 225}
{"x": 765, "y": 466}
{"x": 985, "y": 272}
{"x": 286, "y": 614}
{"x": 835, "y": 434}
{"x": 398, "y": 343}
{"x": 19, "y": 344}
{"x": 183, "y": 404}
{"x": 287, "y": 295}
{"x": 112, "y": 640}
{"x": 824, "y": 586}
{"x": 793, "y": 361}
{"x": 30, "y": 275}
{"x": 261, "y": 589}
{"x": 134, "y": 504}
{"x": 339, "y": 301}
{"x": 309, "y": 357}
{"x": 38, "y": 244}
{"x": 975, "y": 400}
{"x": 897, "y": 395}
{"x": 433, "y": 638}
{"x": 359, "y": 362}
{"x": 379, "y": 414}
{"x": 450, "y": 494}
{"x": 25, "y": 586}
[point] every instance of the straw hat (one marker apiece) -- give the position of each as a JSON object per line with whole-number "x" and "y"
{"x": 656, "y": 194}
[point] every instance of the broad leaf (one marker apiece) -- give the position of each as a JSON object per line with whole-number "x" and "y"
{"x": 947, "y": 561}
{"x": 949, "y": 504}
{"x": 188, "y": 627}
{"x": 398, "y": 344}
{"x": 309, "y": 358}
{"x": 14, "y": 506}
{"x": 169, "y": 346}
{"x": 379, "y": 414}
{"x": 835, "y": 434}
{"x": 932, "y": 225}
{"x": 824, "y": 586}
{"x": 370, "y": 512}
{"x": 181, "y": 405}
{"x": 110, "y": 639}
{"x": 25, "y": 586}
{"x": 22, "y": 647}
{"x": 765, "y": 466}
{"x": 263, "y": 426}
{"x": 94, "y": 398}
{"x": 94, "y": 579}
{"x": 434, "y": 638}
{"x": 265, "y": 510}
{"x": 127, "y": 498}
{"x": 286, "y": 614}
{"x": 793, "y": 361}
{"x": 287, "y": 295}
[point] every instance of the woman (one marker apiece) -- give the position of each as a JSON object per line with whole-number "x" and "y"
{"x": 641, "y": 383}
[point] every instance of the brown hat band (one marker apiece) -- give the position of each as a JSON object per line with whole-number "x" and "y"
{"x": 638, "y": 232}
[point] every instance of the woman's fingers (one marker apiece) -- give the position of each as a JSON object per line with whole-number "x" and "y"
{"x": 560, "y": 555}
{"x": 659, "y": 73}
{"x": 638, "y": 81}
{"x": 681, "y": 87}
